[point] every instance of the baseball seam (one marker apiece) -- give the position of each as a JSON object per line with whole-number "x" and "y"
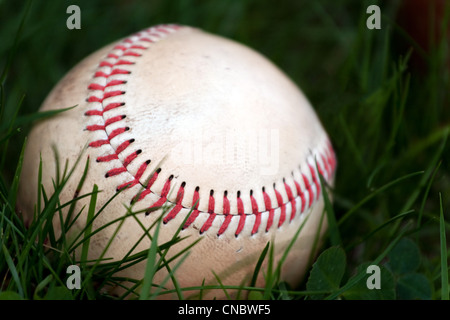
{"x": 115, "y": 64}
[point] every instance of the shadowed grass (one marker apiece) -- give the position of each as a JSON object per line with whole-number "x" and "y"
{"x": 444, "y": 258}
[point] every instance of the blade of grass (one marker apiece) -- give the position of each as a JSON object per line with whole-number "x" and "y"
{"x": 77, "y": 192}
{"x": 317, "y": 239}
{"x": 277, "y": 276}
{"x": 333, "y": 229}
{"x": 151, "y": 266}
{"x": 163, "y": 248}
{"x": 351, "y": 143}
{"x": 30, "y": 118}
{"x": 434, "y": 161}
{"x": 425, "y": 196}
{"x": 258, "y": 265}
{"x": 222, "y": 286}
{"x": 380, "y": 227}
{"x": 358, "y": 278}
{"x": 269, "y": 277}
{"x": 39, "y": 184}
{"x": 422, "y": 183}
{"x": 349, "y": 213}
{"x": 41, "y": 287}
{"x": 13, "y": 270}
{"x": 99, "y": 260}
{"x": 87, "y": 232}
{"x": 170, "y": 275}
{"x": 444, "y": 263}
{"x": 34, "y": 231}
{"x": 16, "y": 43}
{"x": 2, "y": 101}
{"x": 15, "y": 184}
{"x": 9, "y": 132}
{"x": 7, "y": 136}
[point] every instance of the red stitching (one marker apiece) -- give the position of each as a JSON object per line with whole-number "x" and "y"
{"x": 132, "y": 54}
{"x": 269, "y": 208}
{"x": 107, "y": 158}
{"x": 106, "y": 95}
{"x": 96, "y": 86}
{"x": 291, "y": 199}
{"x": 95, "y": 127}
{"x": 136, "y": 180}
{"x": 173, "y": 213}
{"x": 147, "y": 190}
{"x": 212, "y": 215}
{"x": 256, "y": 212}
{"x": 117, "y": 62}
{"x": 320, "y": 167}
{"x": 315, "y": 181}
{"x": 124, "y": 145}
{"x": 117, "y": 131}
{"x": 309, "y": 189}
{"x": 98, "y": 143}
{"x": 115, "y": 172}
{"x": 241, "y": 214}
{"x": 94, "y": 113}
{"x": 101, "y": 74}
{"x": 282, "y": 207}
{"x": 164, "y": 193}
{"x": 131, "y": 157}
{"x": 226, "y": 213}
{"x": 300, "y": 193}
{"x": 194, "y": 214}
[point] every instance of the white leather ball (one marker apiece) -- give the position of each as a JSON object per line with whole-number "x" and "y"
{"x": 193, "y": 124}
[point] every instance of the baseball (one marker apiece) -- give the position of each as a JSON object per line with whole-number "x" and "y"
{"x": 196, "y": 131}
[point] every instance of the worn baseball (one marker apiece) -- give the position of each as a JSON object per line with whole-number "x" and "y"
{"x": 200, "y": 132}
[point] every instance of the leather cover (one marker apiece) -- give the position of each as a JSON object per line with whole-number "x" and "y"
{"x": 176, "y": 118}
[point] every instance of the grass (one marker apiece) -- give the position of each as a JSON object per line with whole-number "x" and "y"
{"x": 388, "y": 120}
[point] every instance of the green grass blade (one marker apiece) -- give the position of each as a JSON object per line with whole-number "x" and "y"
{"x": 222, "y": 286}
{"x": 423, "y": 181}
{"x": 444, "y": 258}
{"x": 39, "y": 187}
{"x": 333, "y": 229}
{"x": 88, "y": 230}
{"x": 349, "y": 213}
{"x": 15, "y": 184}
{"x": 269, "y": 276}
{"x": 16, "y": 42}
{"x": 168, "y": 277}
{"x": 151, "y": 265}
{"x": 434, "y": 161}
{"x": 41, "y": 287}
{"x": 426, "y": 193}
{"x": 13, "y": 270}
{"x": 76, "y": 195}
{"x": 30, "y": 118}
{"x": 9, "y": 133}
{"x": 380, "y": 227}
{"x": 356, "y": 279}
{"x": 258, "y": 265}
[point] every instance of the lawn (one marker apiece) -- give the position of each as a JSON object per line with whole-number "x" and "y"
{"x": 382, "y": 95}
